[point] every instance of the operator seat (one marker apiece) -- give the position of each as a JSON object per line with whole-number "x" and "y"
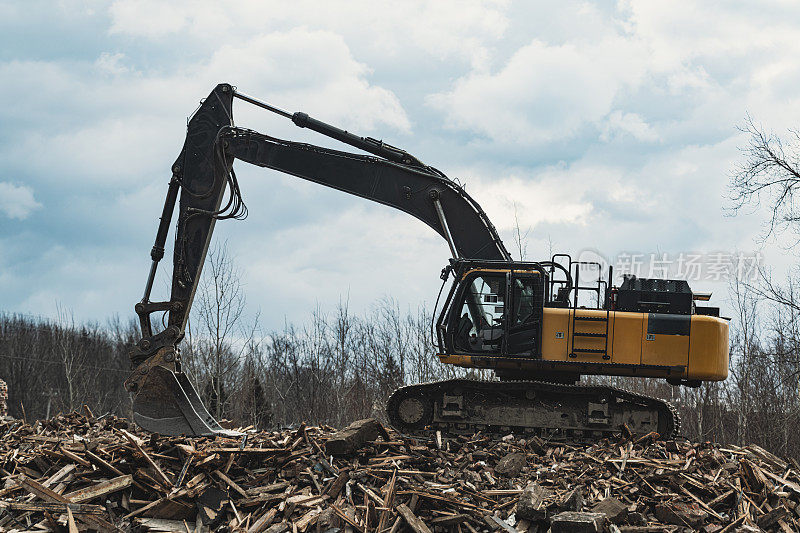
{"x": 462, "y": 332}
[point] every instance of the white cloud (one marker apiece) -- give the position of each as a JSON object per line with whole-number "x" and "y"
{"x": 378, "y": 28}
{"x": 17, "y": 201}
{"x": 112, "y": 64}
{"x": 149, "y": 18}
{"x": 527, "y": 200}
{"x": 309, "y": 68}
{"x": 544, "y": 92}
{"x": 339, "y": 255}
{"x": 622, "y": 71}
{"x": 111, "y": 123}
{"x": 618, "y": 123}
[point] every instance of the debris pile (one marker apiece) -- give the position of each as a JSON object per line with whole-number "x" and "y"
{"x": 78, "y": 472}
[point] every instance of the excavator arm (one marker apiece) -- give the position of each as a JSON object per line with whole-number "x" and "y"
{"x": 205, "y": 188}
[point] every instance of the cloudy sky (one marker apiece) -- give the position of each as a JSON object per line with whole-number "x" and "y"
{"x": 604, "y": 126}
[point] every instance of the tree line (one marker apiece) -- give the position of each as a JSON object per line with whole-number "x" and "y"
{"x": 335, "y": 368}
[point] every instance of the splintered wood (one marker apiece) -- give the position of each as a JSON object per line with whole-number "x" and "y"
{"x": 79, "y": 473}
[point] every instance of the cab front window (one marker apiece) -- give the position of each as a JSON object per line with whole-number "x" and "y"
{"x": 479, "y": 327}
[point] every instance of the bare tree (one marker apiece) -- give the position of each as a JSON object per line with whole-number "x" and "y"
{"x": 769, "y": 173}
{"x": 520, "y": 237}
{"x": 219, "y": 336}
{"x": 765, "y": 363}
{"x": 70, "y": 354}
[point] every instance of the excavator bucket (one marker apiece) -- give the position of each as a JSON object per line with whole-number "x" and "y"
{"x": 165, "y": 402}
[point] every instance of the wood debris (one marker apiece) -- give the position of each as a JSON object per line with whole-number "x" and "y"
{"x": 77, "y": 472}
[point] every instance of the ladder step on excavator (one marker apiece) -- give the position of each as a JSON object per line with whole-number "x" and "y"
{"x": 588, "y": 336}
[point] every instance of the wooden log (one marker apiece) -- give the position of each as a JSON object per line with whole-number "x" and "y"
{"x": 353, "y": 437}
{"x": 75, "y": 458}
{"x": 54, "y": 507}
{"x": 572, "y": 522}
{"x": 102, "y": 463}
{"x": 251, "y": 451}
{"x": 162, "y": 525}
{"x": 263, "y": 521}
{"x": 307, "y": 519}
{"x": 449, "y": 520}
{"x": 338, "y": 484}
{"x": 532, "y": 504}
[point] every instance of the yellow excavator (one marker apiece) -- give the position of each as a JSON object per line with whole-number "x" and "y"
{"x": 539, "y": 326}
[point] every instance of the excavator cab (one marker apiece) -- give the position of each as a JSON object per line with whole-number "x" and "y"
{"x": 494, "y": 309}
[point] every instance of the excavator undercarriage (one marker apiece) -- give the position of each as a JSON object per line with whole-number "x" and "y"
{"x": 551, "y": 410}
{"x": 524, "y": 320}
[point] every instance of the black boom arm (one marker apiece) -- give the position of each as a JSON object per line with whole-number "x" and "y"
{"x": 414, "y": 190}
{"x": 204, "y": 171}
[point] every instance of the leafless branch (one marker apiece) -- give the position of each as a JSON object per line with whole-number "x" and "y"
{"x": 768, "y": 175}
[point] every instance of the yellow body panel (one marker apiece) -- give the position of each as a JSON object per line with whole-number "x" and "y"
{"x": 627, "y": 339}
{"x": 624, "y": 336}
{"x": 594, "y": 343}
{"x": 701, "y": 355}
{"x": 556, "y": 334}
{"x": 672, "y": 350}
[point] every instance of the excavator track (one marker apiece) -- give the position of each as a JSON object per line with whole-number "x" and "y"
{"x": 551, "y": 410}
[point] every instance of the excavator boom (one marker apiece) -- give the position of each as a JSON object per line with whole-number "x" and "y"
{"x": 164, "y": 399}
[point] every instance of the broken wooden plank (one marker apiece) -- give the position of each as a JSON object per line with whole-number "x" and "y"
{"x": 231, "y": 483}
{"x": 71, "y": 526}
{"x": 411, "y": 519}
{"x": 55, "y": 507}
{"x": 160, "y": 476}
{"x": 101, "y": 489}
{"x": 48, "y": 495}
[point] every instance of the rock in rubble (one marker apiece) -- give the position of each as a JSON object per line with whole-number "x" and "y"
{"x": 534, "y": 502}
{"x": 511, "y": 465}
